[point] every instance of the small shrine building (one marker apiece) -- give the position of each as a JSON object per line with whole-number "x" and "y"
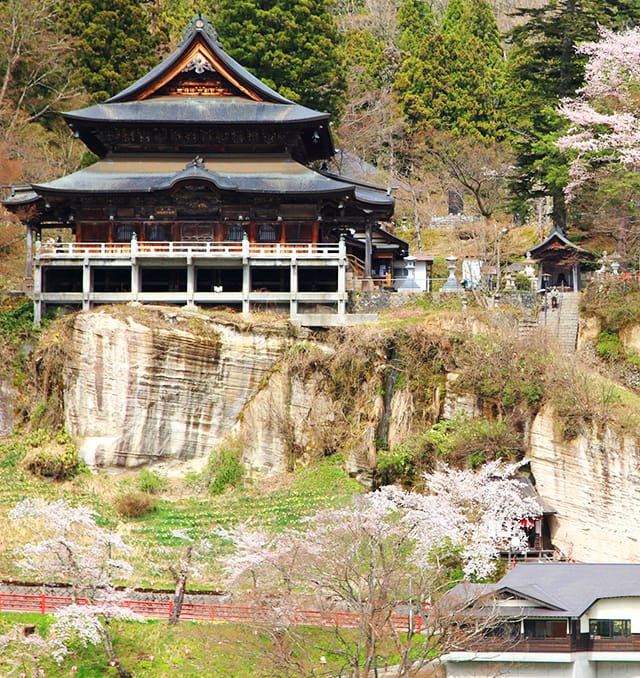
{"x": 210, "y": 189}
{"x": 559, "y": 262}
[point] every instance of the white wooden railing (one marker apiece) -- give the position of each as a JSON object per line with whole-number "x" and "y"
{"x": 181, "y": 249}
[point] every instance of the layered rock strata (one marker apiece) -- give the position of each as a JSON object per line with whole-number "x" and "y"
{"x": 137, "y": 394}
{"x": 593, "y": 482}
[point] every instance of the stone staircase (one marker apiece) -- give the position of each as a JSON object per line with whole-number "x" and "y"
{"x": 562, "y": 323}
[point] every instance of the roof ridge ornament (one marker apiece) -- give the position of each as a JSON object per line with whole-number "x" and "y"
{"x": 199, "y": 64}
{"x": 200, "y": 24}
{"x": 197, "y": 163}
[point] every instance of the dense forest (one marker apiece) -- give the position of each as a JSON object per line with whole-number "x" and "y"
{"x": 439, "y": 99}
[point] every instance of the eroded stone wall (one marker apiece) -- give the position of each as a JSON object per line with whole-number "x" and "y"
{"x": 136, "y": 394}
{"x": 593, "y": 482}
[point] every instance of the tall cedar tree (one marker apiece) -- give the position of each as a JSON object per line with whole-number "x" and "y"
{"x": 451, "y": 80}
{"x": 291, "y": 46}
{"x": 543, "y": 68}
{"x": 113, "y": 44}
{"x": 371, "y": 126}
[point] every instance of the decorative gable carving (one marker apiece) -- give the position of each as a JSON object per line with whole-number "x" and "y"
{"x": 199, "y": 64}
{"x": 205, "y": 82}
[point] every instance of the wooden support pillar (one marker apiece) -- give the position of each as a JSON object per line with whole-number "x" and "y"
{"x": 37, "y": 295}
{"x": 191, "y": 281}
{"x": 87, "y": 291}
{"x": 293, "y": 282}
{"x": 28, "y": 271}
{"x": 368, "y": 249}
{"x": 246, "y": 275}
{"x": 135, "y": 280}
{"x": 342, "y": 276}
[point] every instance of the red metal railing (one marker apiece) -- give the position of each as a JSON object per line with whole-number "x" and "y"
{"x": 242, "y": 614}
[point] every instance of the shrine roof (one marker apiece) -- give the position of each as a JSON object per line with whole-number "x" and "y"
{"x": 201, "y": 31}
{"x": 557, "y": 244}
{"x": 21, "y": 195}
{"x": 248, "y": 174}
{"x": 195, "y": 109}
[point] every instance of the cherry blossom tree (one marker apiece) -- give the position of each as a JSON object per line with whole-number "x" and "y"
{"x": 70, "y": 547}
{"x": 391, "y": 552}
{"x": 186, "y": 567}
{"x": 603, "y": 142}
{"x": 25, "y": 648}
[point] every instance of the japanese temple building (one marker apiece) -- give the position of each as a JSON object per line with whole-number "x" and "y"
{"x": 559, "y": 262}
{"x": 210, "y": 190}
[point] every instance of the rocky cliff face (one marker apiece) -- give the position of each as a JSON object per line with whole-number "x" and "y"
{"x": 136, "y": 393}
{"x": 157, "y": 389}
{"x": 160, "y": 390}
{"x": 7, "y": 398}
{"x": 593, "y": 482}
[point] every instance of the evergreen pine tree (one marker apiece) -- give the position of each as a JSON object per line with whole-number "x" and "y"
{"x": 113, "y": 45}
{"x": 543, "y": 68}
{"x": 292, "y": 46}
{"x": 451, "y": 81}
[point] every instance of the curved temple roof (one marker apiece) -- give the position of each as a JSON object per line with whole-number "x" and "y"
{"x": 200, "y": 29}
{"x": 196, "y": 110}
{"x": 217, "y": 90}
{"x": 135, "y": 174}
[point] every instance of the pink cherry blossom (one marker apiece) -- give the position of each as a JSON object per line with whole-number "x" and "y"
{"x": 605, "y": 116}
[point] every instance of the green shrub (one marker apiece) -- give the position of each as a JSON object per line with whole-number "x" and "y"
{"x": 55, "y": 460}
{"x": 609, "y": 346}
{"x": 475, "y": 441}
{"x": 16, "y": 318}
{"x": 224, "y": 468}
{"x": 505, "y": 373}
{"x": 135, "y": 504}
{"x": 397, "y": 465}
{"x": 615, "y": 303}
{"x": 150, "y": 482}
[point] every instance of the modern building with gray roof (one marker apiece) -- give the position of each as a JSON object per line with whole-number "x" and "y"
{"x": 570, "y": 620}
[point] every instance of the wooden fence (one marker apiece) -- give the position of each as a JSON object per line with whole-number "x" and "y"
{"x": 232, "y": 614}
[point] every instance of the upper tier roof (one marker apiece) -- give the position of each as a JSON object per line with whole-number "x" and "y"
{"x": 201, "y": 51}
{"x": 194, "y": 109}
{"x": 201, "y": 84}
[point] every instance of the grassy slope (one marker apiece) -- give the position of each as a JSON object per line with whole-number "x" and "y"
{"x": 190, "y": 649}
{"x": 274, "y": 503}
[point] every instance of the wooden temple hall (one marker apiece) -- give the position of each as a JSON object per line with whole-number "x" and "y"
{"x": 210, "y": 189}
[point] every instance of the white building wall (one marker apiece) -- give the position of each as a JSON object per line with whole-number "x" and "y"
{"x": 617, "y": 669}
{"x": 613, "y": 608}
{"x": 577, "y": 665}
{"x": 513, "y": 670}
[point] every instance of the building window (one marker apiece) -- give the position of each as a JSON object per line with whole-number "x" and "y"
{"x": 124, "y": 233}
{"x": 503, "y": 631}
{"x": 267, "y": 233}
{"x": 545, "y": 628}
{"x": 609, "y": 628}
{"x": 235, "y": 233}
{"x": 157, "y": 232}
